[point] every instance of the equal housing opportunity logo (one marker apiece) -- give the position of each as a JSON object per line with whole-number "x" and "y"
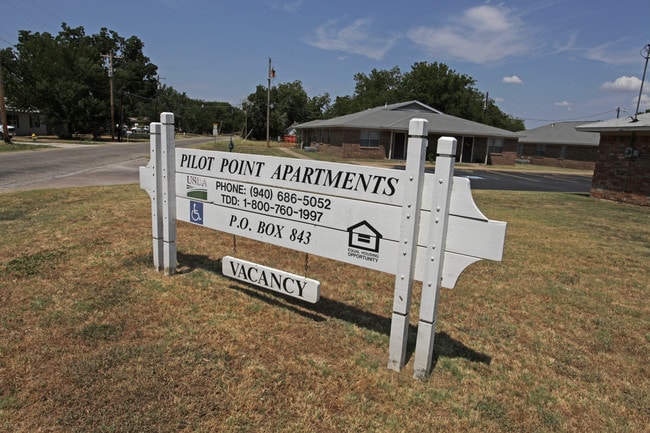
{"x": 363, "y": 241}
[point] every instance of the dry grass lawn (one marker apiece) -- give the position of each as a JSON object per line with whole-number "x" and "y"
{"x": 556, "y": 338}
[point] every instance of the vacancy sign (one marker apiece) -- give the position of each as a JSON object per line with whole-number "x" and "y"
{"x": 282, "y": 282}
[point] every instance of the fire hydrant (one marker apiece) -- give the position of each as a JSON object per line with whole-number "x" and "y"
{"x": 33, "y": 136}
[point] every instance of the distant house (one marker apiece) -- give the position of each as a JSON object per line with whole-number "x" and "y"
{"x": 26, "y": 122}
{"x": 622, "y": 171}
{"x": 382, "y": 132}
{"x": 559, "y": 144}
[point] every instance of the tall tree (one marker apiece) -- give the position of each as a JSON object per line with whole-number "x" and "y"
{"x": 290, "y": 104}
{"x": 433, "y": 84}
{"x": 378, "y": 88}
{"x": 438, "y": 86}
{"x": 257, "y": 113}
{"x": 65, "y": 77}
{"x": 296, "y": 106}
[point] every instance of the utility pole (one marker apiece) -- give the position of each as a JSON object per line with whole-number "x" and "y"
{"x": 3, "y": 110}
{"x": 268, "y": 104}
{"x": 645, "y": 53}
{"x": 110, "y": 57}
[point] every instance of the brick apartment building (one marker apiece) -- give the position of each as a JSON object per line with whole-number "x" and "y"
{"x": 559, "y": 144}
{"x": 622, "y": 171}
{"x": 382, "y": 133}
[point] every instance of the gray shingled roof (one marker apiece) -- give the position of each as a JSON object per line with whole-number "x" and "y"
{"x": 396, "y": 117}
{"x": 559, "y": 133}
{"x": 623, "y": 124}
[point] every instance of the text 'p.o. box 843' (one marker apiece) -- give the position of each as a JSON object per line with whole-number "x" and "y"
{"x": 415, "y": 225}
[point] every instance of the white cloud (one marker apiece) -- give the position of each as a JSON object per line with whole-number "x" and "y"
{"x": 645, "y": 102}
{"x": 289, "y": 6}
{"x": 612, "y": 53}
{"x": 513, "y": 80}
{"x": 355, "y": 38}
{"x": 622, "y": 84}
{"x": 481, "y": 34}
{"x": 292, "y": 6}
{"x": 565, "y": 104}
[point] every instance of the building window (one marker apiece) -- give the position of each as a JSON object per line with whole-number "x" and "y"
{"x": 540, "y": 150}
{"x": 369, "y": 139}
{"x": 495, "y": 145}
{"x": 34, "y": 121}
{"x": 12, "y": 119}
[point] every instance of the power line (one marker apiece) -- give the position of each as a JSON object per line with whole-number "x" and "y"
{"x": 47, "y": 11}
{"x": 6, "y": 41}
{"x": 29, "y": 15}
{"x": 569, "y": 120}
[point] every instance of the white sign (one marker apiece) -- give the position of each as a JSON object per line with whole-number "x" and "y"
{"x": 345, "y": 180}
{"x": 340, "y": 211}
{"x": 353, "y": 231}
{"x": 414, "y": 225}
{"x": 286, "y": 283}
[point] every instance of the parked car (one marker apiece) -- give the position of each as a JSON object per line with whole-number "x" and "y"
{"x": 10, "y": 129}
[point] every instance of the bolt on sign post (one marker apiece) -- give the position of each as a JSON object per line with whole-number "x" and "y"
{"x": 414, "y": 225}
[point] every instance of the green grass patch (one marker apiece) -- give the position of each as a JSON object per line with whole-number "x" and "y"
{"x": 553, "y": 339}
{"x": 246, "y": 146}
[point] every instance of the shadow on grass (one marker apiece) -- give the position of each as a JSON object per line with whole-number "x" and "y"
{"x": 445, "y": 345}
{"x": 580, "y": 194}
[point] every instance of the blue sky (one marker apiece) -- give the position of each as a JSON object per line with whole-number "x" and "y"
{"x": 541, "y": 61}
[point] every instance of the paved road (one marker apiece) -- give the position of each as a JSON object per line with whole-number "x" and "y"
{"x": 529, "y": 181}
{"x": 118, "y": 163}
{"x": 77, "y": 165}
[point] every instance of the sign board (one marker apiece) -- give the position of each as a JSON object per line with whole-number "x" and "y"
{"x": 286, "y": 283}
{"x": 351, "y": 230}
{"x": 415, "y": 225}
{"x": 343, "y": 212}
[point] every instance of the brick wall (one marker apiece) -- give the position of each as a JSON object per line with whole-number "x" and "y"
{"x": 503, "y": 158}
{"x": 575, "y": 157}
{"x": 620, "y": 178}
{"x": 566, "y": 163}
{"x": 355, "y": 151}
{"x": 352, "y": 150}
{"x": 327, "y": 141}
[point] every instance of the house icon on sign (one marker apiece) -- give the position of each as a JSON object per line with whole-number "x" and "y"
{"x": 364, "y": 237}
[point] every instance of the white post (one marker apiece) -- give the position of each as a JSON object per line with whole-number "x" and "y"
{"x": 432, "y": 280}
{"x": 156, "y": 196}
{"x": 416, "y": 155}
{"x": 168, "y": 174}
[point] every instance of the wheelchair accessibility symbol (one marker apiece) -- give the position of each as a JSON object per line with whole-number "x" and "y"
{"x": 196, "y": 212}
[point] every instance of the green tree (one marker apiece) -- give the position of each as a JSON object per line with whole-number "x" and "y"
{"x": 440, "y": 87}
{"x": 433, "y": 84}
{"x": 135, "y": 74}
{"x": 289, "y": 104}
{"x": 65, "y": 77}
{"x": 380, "y": 87}
{"x": 296, "y": 106}
{"x": 257, "y": 113}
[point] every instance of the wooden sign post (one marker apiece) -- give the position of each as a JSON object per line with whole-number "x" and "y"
{"x": 415, "y": 225}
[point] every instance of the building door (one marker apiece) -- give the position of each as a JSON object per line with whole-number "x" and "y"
{"x": 399, "y": 145}
{"x": 468, "y": 149}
